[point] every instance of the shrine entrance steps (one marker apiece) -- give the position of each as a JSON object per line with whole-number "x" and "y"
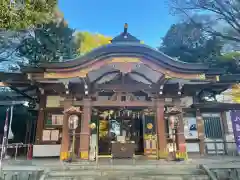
{"x": 127, "y": 172}
{"x": 121, "y": 170}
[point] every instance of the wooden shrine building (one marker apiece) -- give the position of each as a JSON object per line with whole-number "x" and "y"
{"x": 121, "y": 99}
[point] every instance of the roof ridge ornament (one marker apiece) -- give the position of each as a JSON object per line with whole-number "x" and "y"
{"x": 125, "y": 37}
{"x": 125, "y": 29}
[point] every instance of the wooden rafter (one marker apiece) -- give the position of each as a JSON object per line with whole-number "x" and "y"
{"x": 143, "y": 76}
{"x": 21, "y": 92}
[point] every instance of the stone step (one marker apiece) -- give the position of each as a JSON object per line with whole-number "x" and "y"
{"x": 21, "y": 175}
{"x": 121, "y": 167}
{"x": 159, "y": 177}
{"x": 163, "y": 173}
{"x": 129, "y": 172}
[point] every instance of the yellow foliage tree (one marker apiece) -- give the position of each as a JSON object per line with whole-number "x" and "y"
{"x": 235, "y": 93}
{"x": 88, "y": 41}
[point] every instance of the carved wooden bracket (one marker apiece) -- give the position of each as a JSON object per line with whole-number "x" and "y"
{"x": 173, "y": 110}
{"x": 73, "y": 110}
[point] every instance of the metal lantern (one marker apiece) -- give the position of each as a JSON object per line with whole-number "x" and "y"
{"x": 172, "y": 121}
{"x": 73, "y": 121}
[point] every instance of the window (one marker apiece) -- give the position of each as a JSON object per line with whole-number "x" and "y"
{"x": 212, "y": 127}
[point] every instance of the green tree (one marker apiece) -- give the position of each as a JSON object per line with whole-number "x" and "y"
{"x": 25, "y": 14}
{"x": 52, "y": 42}
{"x": 18, "y": 21}
{"x": 88, "y": 41}
{"x": 218, "y": 17}
{"x": 230, "y": 61}
{"x": 189, "y": 43}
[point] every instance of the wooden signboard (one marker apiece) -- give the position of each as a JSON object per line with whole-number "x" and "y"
{"x": 53, "y": 101}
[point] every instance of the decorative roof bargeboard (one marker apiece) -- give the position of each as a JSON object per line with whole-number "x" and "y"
{"x": 123, "y": 64}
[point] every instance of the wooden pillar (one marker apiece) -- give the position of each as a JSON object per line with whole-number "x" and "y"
{"x": 180, "y": 138}
{"x": 225, "y": 130}
{"x": 224, "y": 123}
{"x": 160, "y": 125}
{"x": 64, "y": 154}
{"x": 200, "y": 129}
{"x": 85, "y": 129}
{"x": 41, "y": 117}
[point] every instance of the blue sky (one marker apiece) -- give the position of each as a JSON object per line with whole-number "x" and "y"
{"x": 148, "y": 20}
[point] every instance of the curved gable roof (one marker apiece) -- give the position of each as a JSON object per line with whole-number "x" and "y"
{"x": 126, "y": 45}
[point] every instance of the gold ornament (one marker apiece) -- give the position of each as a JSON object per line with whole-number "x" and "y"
{"x": 149, "y": 125}
{"x": 92, "y": 125}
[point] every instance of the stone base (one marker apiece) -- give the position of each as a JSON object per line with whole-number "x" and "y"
{"x": 84, "y": 155}
{"x": 64, "y": 155}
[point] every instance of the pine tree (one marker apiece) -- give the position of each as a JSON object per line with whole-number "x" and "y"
{"x": 53, "y": 42}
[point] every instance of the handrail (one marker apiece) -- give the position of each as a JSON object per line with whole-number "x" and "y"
{"x": 43, "y": 176}
{"x": 208, "y": 171}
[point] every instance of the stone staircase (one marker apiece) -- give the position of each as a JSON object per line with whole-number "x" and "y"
{"x": 20, "y": 174}
{"x": 164, "y": 172}
{"x": 120, "y": 171}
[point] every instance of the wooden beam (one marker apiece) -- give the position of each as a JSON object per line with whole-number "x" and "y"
{"x": 17, "y": 83}
{"x": 22, "y": 93}
{"x": 118, "y": 103}
{"x": 9, "y": 103}
{"x": 125, "y": 87}
{"x": 30, "y": 88}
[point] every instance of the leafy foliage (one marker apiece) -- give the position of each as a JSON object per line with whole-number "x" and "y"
{"x": 230, "y": 56}
{"x": 50, "y": 43}
{"x": 88, "y": 41}
{"x": 230, "y": 61}
{"x": 24, "y": 14}
{"x": 218, "y": 17}
{"x": 16, "y": 39}
{"x": 189, "y": 43}
{"x": 235, "y": 92}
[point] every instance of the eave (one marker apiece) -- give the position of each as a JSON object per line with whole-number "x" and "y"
{"x": 216, "y": 106}
{"x": 130, "y": 50}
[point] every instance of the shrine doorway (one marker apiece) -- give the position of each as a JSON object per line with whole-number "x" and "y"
{"x": 120, "y": 125}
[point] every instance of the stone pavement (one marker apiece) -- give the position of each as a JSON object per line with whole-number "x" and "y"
{"x": 46, "y": 163}
{"x": 116, "y": 169}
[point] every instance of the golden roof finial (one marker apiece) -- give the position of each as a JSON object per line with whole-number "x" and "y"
{"x": 125, "y": 28}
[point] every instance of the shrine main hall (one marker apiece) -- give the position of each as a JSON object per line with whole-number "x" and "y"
{"x": 124, "y": 99}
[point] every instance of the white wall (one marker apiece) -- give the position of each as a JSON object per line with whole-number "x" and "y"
{"x": 230, "y": 147}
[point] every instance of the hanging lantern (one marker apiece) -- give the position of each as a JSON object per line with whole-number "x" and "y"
{"x": 133, "y": 115}
{"x": 128, "y": 113}
{"x": 73, "y": 121}
{"x": 171, "y": 121}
